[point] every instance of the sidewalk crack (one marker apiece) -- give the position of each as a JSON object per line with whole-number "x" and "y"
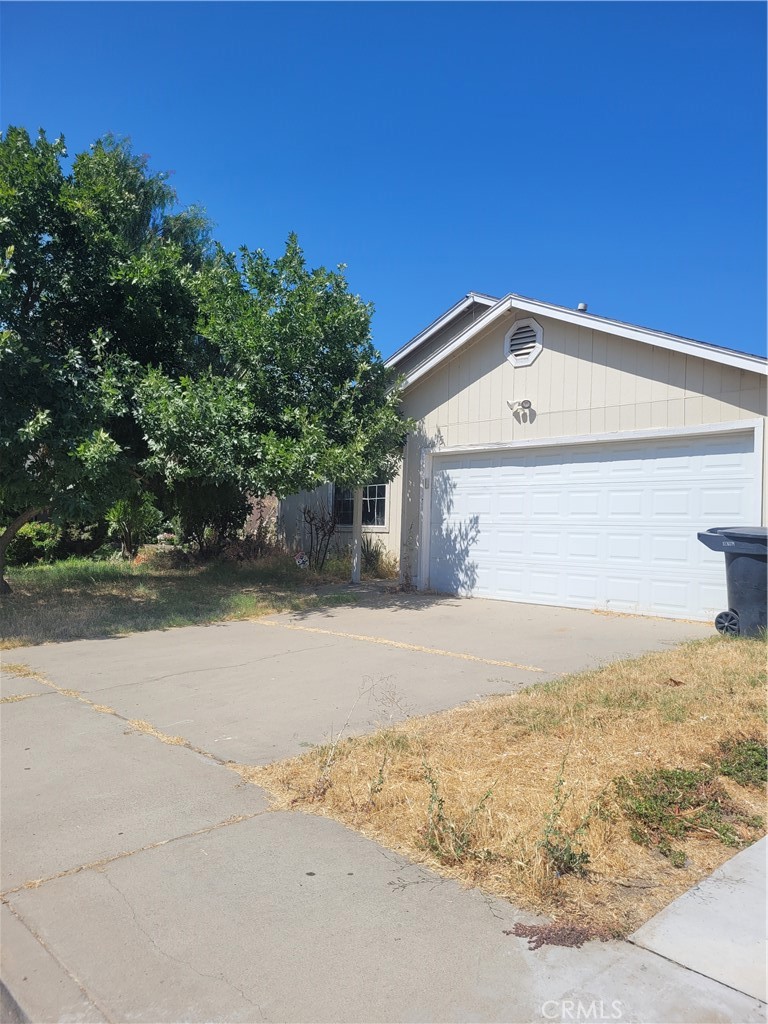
{"x": 184, "y": 963}
{"x": 91, "y": 865}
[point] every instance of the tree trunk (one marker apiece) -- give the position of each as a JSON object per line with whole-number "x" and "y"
{"x": 7, "y": 536}
{"x": 126, "y": 543}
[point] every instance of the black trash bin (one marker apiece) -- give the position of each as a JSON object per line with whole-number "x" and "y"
{"x": 746, "y": 574}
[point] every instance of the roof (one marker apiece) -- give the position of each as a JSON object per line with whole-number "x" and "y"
{"x": 471, "y": 298}
{"x": 497, "y": 308}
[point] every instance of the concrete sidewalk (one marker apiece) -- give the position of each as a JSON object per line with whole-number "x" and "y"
{"x": 145, "y": 881}
{"x": 717, "y": 928}
{"x": 288, "y": 917}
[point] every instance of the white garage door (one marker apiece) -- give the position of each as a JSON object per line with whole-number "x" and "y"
{"x": 593, "y": 526}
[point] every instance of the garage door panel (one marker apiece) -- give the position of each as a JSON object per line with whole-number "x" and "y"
{"x": 511, "y": 472}
{"x": 583, "y": 504}
{"x": 625, "y": 504}
{"x": 670, "y": 595}
{"x": 511, "y": 582}
{"x": 511, "y": 543}
{"x": 667, "y": 503}
{"x": 626, "y": 547}
{"x": 673, "y": 549}
{"x": 581, "y": 588}
{"x": 603, "y": 526}
{"x": 544, "y": 585}
{"x": 546, "y": 544}
{"x": 719, "y": 502}
{"x": 546, "y": 503}
{"x": 582, "y": 546}
{"x": 477, "y": 503}
{"x": 585, "y": 469}
{"x": 511, "y": 506}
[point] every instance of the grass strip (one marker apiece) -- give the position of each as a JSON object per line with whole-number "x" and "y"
{"x": 84, "y": 599}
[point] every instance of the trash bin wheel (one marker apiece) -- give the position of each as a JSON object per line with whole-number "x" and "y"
{"x": 727, "y": 623}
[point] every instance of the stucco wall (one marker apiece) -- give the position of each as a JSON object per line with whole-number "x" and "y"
{"x": 583, "y": 382}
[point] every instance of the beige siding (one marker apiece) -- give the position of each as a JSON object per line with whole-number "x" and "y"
{"x": 293, "y": 533}
{"x": 442, "y": 337}
{"x": 583, "y": 382}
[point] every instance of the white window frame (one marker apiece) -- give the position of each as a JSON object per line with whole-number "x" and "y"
{"x": 384, "y": 528}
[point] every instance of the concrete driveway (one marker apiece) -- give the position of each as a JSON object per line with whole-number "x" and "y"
{"x": 144, "y": 881}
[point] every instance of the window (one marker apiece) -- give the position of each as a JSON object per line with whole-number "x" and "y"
{"x": 374, "y": 505}
{"x": 522, "y": 342}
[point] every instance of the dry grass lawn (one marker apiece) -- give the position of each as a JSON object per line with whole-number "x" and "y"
{"x": 484, "y": 792}
{"x": 82, "y": 599}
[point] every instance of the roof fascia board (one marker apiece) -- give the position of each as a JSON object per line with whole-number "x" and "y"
{"x": 437, "y": 325}
{"x": 686, "y": 346}
{"x": 486, "y": 320}
{"x": 755, "y": 364}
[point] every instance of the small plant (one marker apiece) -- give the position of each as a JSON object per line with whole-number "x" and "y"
{"x": 392, "y": 743}
{"x": 563, "y": 849}
{"x": 133, "y": 520}
{"x": 377, "y": 561}
{"x": 371, "y": 551}
{"x": 745, "y": 761}
{"x": 321, "y": 523}
{"x": 673, "y": 803}
{"x": 377, "y": 784}
{"x": 449, "y": 842}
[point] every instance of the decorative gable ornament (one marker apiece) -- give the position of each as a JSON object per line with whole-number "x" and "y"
{"x": 523, "y": 342}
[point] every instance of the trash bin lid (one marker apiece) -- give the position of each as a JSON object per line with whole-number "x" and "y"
{"x": 737, "y": 540}
{"x": 758, "y": 533}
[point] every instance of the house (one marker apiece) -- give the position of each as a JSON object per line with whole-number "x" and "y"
{"x": 568, "y": 459}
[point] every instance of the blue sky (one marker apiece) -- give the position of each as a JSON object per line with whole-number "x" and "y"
{"x": 612, "y": 153}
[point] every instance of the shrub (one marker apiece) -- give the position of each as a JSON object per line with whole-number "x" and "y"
{"x": 261, "y": 526}
{"x": 449, "y": 841}
{"x": 209, "y": 515}
{"x": 82, "y": 539}
{"x": 562, "y": 847}
{"x": 162, "y": 557}
{"x": 134, "y": 520}
{"x": 35, "y": 542}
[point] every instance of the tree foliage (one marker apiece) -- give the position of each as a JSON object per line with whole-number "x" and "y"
{"x": 295, "y": 393}
{"x": 135, "y": 355}
{"x": 97, "y": 284}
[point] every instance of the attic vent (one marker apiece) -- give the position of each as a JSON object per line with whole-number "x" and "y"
{"x": 522, "y": 343}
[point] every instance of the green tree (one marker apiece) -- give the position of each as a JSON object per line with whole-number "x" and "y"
{"x": 98, "y": 282}
{"x": 135, "y": 356}
{"x": 295, "y": 393}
